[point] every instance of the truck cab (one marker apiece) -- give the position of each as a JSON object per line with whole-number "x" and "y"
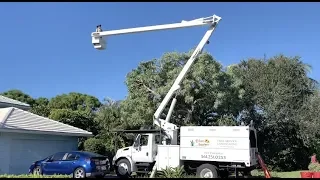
{"x": 140, "y": 157}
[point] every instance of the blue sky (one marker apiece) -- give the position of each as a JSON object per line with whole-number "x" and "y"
{"x": 46, "y": 47}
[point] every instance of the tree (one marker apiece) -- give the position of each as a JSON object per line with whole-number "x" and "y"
{"x": 19, "y": 96}
{"x": 206, "y": 93}
{"x": 108, "y": 119}
{"x": 309, "y": 121}
{"x": 274, "y": 91}
{"x": 41, "y": 107}
{"x": 75, "y": 109}
{"x": 75, "y": 101}
{"x": 80, "y": 119}
{"x": 95, "y": 145}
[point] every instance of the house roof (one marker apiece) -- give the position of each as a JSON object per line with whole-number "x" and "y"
{"x": 8, "y": 102}
{"x": 17, "y": 120}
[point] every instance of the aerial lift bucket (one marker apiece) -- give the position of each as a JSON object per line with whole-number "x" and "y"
{"x": 263, "y": 166}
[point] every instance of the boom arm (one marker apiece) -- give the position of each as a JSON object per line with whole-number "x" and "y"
{"x": 176, "y": 84}
{"x": 100, "y": 44}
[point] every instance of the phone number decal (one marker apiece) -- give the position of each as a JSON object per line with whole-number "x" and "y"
{"x": 209, "y": 156}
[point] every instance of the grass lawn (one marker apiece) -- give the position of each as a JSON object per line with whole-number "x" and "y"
{"x": 292, "y": 174}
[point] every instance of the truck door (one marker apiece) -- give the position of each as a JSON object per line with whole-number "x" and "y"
{"x": 142, "y": 149}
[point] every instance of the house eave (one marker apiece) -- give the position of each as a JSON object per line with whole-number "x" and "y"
{"x": 5, "y": 105}
{"x": 44, "y": 132}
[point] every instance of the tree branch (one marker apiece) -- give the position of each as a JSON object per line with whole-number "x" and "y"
{"x": 139, "y": 82}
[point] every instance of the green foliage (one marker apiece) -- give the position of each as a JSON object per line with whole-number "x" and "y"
{"x": 170, "y": 172}
{"x": 75, "y": 101}
{"x": 75, "y": 109}
{"x": 313, "y": 166}
{"x": 226, "y": 120}
{"x": 40, "y": 107}
{"x": 33, "y": 176}
{"x": 95, "y": 145}
{"x": 77, "y": 118}
{"x": 275, "y": 93}
{"x": 108, "y": 119}
{"x": 206, "y": 93}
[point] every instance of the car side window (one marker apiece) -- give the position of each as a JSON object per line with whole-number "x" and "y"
{"x": 72, "y": 157}
{"x": 58, "y": 157}
{"x": 49, "y": 158}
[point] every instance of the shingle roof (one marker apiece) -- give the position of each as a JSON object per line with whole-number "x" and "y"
{"x": 12, "y": 102}
{"x": 14, "y": 119}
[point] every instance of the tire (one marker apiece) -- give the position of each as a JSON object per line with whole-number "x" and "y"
{"x": 247, "y": 174}
{"x": 37, "y": 170}
{"x": 123, "y": 168}
{"x": 79, "y": 173}
{"x": 207, "y": 171}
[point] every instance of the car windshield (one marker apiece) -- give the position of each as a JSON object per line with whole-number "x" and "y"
{"x": 90, "y": 154}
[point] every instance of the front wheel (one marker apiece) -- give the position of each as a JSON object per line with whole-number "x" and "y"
{"x": 207, "y": 171}
{"x": 123, "y": 168}
{"x": 37, "y": 170}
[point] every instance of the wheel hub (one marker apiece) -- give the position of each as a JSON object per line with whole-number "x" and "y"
{"x": 123, "y": 168}
{"x": 206, "y": 173}
{"x": 79, "y": 173}
{"x": 36, "y": 171}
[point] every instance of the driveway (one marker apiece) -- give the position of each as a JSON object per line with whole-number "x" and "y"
{"x": 111, "y": 176}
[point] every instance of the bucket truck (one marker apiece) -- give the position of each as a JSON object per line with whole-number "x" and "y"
{"x": 209, "y": 151}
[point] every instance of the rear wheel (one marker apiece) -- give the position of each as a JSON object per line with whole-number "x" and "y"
{"x": 246, "y": 174}
{"x": 37, "y": 170}
{"x": 79, "y": 173}
{"x": 123, "y": 168}
{"x": 207, "y": 171}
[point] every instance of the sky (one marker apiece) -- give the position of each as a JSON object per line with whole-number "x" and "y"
{"x": 46, "y": 48}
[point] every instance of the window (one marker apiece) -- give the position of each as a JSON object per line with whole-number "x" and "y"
{"x": 72, "y": 157}
{"x": 144, "y": 140}
{"x": 58, "y": 157}
{"x": 158, "y": 139}
{"x": 48, "y": 158}
{"x": 252, "y": 137}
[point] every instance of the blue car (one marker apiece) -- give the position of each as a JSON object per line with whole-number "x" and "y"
{"x": 80, "y": 164}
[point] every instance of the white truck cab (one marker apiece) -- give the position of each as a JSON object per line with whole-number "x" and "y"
{"x": 141, "y": 156}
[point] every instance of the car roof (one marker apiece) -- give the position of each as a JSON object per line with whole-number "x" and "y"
{"x": 86, "y": 153}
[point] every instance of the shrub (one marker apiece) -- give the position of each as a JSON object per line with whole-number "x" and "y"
{"x": 95, "y": 145}
{"x": 33, "y": 176}
{"x": 170, "y": 172}
{"x": 315, "y": 167}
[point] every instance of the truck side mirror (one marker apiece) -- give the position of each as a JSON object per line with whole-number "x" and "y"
{"x": 136, "y": 144}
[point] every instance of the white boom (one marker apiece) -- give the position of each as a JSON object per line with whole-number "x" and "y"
{"x": 100, "y": 44}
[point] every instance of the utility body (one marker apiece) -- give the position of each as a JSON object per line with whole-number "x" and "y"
{"x": 210, "y": 151}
